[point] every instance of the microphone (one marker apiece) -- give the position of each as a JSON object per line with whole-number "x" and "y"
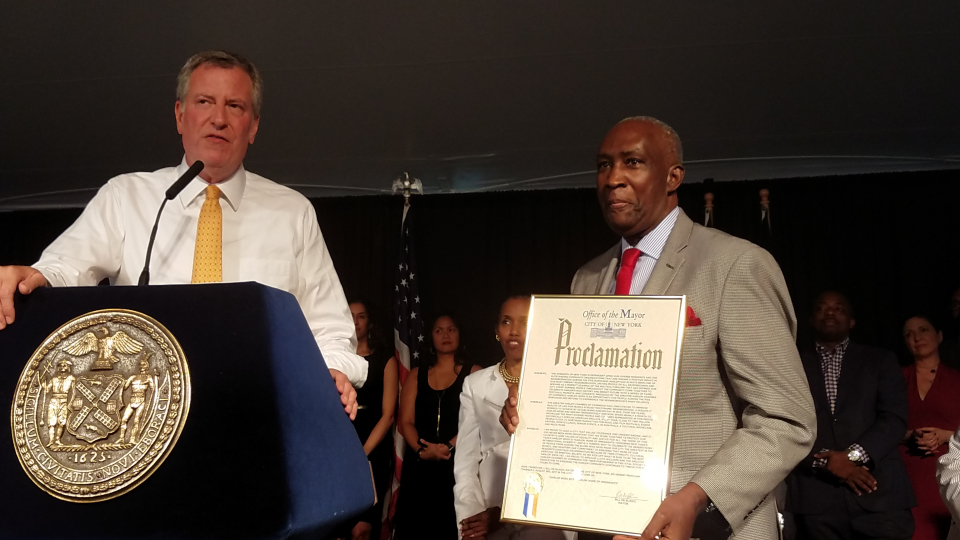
{"x": 171, "y": 192}
{"x": 185, "y": 179}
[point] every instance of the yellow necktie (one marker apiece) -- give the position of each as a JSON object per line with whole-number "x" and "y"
{"x": 208, "y": 256}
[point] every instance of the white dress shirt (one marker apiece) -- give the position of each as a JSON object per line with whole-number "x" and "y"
{"x": 651, "y": 246}
{"x": 480, "y": 462}
{"x": 270, "y": 235}
{"x": 948, "y": 473}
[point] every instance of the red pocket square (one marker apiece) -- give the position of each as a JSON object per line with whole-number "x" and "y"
{"x": 692, "y": 319}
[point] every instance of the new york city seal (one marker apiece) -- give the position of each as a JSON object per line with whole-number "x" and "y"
{"x": 100, "y": 405}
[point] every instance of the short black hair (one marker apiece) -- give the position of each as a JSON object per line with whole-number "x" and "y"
{"x": 843, "y": 297}
{"x": 518, "y": 296}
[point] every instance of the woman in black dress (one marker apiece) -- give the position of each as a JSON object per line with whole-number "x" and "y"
{"x": 377, "y": 404}
{"x": 429, "y": 413}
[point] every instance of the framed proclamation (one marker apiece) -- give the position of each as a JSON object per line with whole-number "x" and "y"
{"x": 596, "y": 407}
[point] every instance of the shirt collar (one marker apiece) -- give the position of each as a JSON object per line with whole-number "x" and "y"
{"x": 653, "y": 242}
{"x": 232, "y": 188}
{"x": 840, "y": 349}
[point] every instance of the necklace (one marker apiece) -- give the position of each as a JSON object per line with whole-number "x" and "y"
{"x": 927, "y": 369}
{"x": 440, "y": 394}
{"x": 510, "y": 379}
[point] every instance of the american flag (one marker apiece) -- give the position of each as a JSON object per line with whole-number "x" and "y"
{"x": 408, "y": 338}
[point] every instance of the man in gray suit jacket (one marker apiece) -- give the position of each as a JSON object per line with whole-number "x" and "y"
{"x": 745, "y": 417}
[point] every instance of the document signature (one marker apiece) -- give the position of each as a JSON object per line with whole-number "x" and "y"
{"x": 622, "y": 497}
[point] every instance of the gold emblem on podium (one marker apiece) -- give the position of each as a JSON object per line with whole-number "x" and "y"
{"x": 100, "y": 405}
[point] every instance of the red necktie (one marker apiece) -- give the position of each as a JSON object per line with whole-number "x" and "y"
{"x": 628, "y": 261}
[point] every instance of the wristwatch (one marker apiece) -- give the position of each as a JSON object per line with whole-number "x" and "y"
{"x": 855, "y": 455}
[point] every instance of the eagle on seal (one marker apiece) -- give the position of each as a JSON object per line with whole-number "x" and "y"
{"x": 105, "y": 346}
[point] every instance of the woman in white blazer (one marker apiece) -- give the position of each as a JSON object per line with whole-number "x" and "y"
{"x": 480, "y": 463}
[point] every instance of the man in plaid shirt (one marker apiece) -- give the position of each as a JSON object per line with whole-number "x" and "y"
{"x": 854, "y": 484}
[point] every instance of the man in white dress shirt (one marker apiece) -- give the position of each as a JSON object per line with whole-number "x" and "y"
{"x": 270, "y": 232}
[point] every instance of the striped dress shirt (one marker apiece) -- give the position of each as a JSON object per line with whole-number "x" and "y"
{"x": 651, "y": 246}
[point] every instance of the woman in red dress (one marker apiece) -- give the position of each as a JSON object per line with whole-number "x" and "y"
{"x": 933, "y": 392}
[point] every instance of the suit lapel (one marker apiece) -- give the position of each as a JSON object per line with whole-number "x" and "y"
{"x": 491, "y": 384}
{"x": 670, "y": 259}
{"x": 608, "y": 273}
{"x": 818, "y": 388}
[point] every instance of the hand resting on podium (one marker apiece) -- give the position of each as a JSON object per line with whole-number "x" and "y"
{"x": 12, "y": 279}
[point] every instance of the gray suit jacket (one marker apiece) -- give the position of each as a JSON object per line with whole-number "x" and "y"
{"x": 745, "y": 416}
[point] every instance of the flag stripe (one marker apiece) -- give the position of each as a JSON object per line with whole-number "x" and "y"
{"x": 407, "y": 337}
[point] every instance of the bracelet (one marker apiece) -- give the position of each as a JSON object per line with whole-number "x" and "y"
{"x": 450, "y": 446}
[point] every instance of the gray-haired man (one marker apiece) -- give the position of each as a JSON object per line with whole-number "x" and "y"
{"x": 268, "y": 233}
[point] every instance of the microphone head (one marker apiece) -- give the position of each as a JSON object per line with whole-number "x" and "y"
{"x": 195, "y": 169}
{"x": 182, "y": 182}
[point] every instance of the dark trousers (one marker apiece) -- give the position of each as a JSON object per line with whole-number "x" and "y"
{"x": 855, "y": 524}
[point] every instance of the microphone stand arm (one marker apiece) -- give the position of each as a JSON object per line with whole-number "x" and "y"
{"x": 145, "y": 275}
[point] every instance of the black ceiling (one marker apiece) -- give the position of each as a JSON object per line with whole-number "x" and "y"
{"x": 488, "y": 95}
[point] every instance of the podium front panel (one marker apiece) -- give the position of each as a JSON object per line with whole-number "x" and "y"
{"x": 266, "y": 451}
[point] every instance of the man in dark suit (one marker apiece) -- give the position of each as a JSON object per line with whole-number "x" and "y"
{"x": 854, "y": 483}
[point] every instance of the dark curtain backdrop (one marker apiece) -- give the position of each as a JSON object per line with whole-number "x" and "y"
{"x": 889, "y": 241}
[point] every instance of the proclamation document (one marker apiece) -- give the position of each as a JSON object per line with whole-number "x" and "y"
{"x": 596, "y": 406}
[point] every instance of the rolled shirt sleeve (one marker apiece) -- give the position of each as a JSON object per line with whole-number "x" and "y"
{"x": 325, "y": 306}
{"x": 90, "y": 249}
